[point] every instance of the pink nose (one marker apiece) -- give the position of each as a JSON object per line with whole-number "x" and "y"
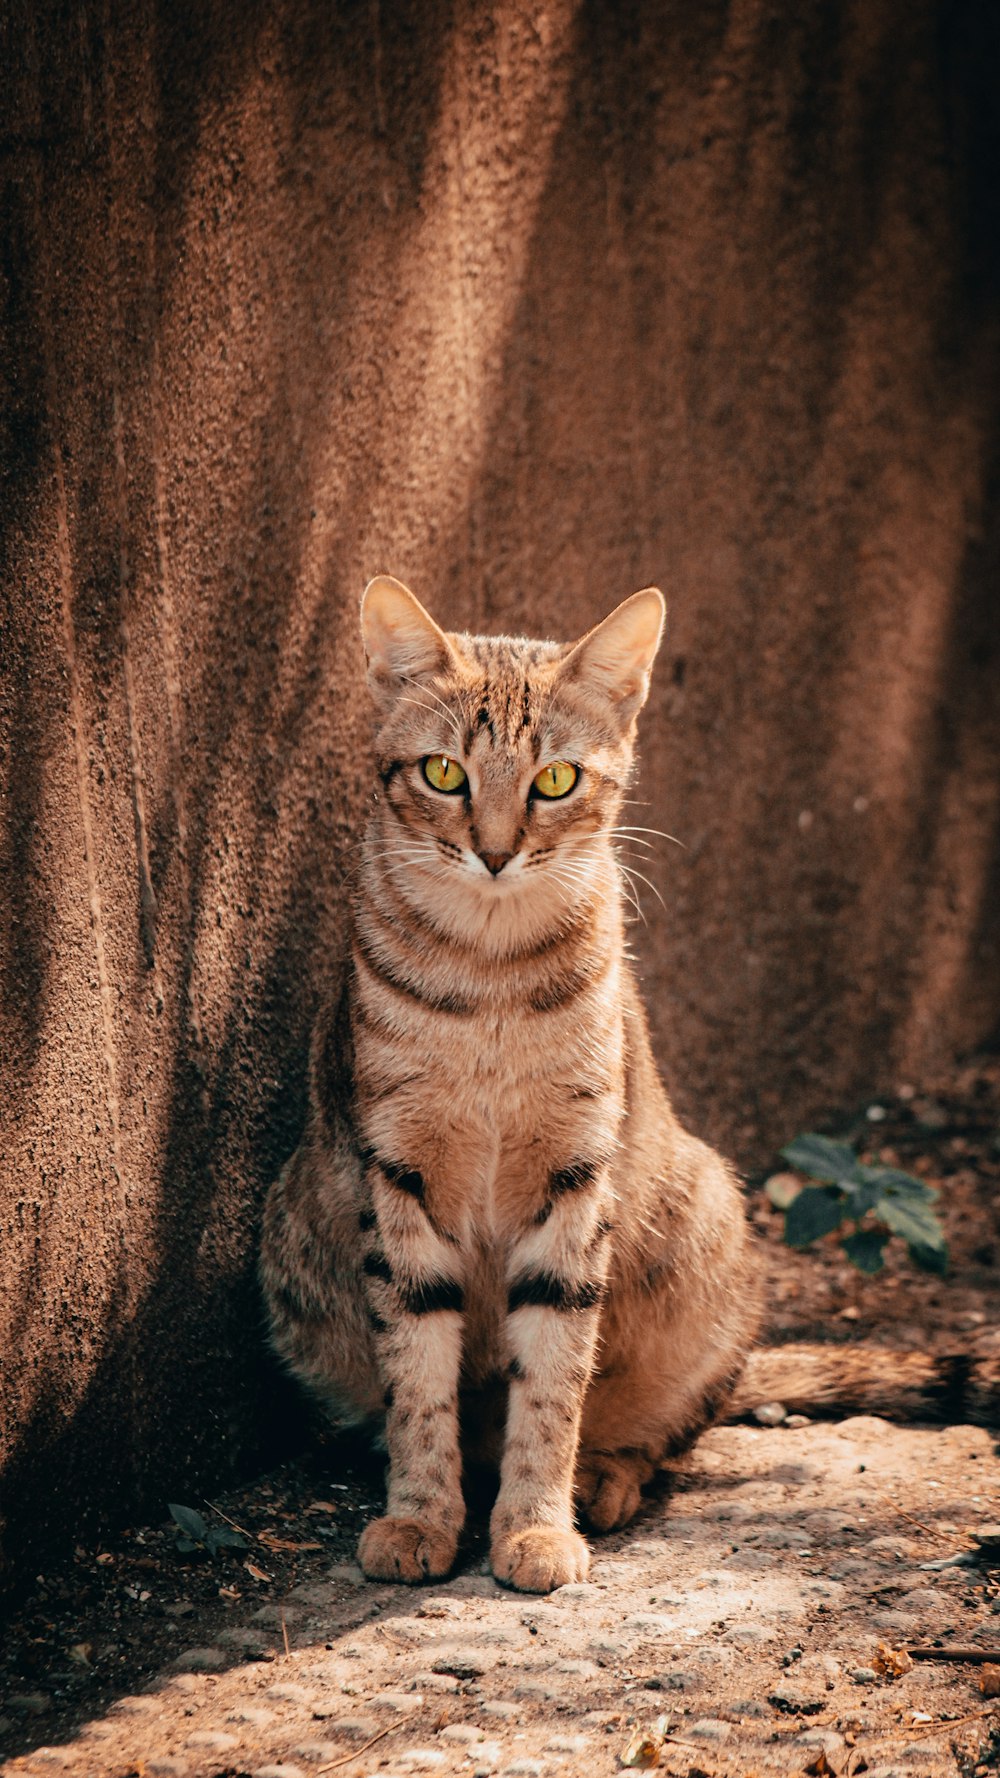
{"x": 495, "y": 861}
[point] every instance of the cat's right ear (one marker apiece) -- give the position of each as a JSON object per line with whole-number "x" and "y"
{"x": 401, "y": 639}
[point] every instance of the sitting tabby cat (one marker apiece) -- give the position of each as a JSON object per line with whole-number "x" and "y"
{"x": 493, "y": 1202}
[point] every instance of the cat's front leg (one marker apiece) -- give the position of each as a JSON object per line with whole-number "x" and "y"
{"x": 556, "y": 1281}
{"x": 412, "y": 1276}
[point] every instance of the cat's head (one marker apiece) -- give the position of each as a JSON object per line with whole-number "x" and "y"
{"x": 503, "y": 761}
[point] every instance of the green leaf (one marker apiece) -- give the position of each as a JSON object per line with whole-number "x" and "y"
{"x": 915, "y": 1221}
{"x": 816, "y": 1211}
{"x": 930, "y": 1259}
{"x": 221, "y": 1538}
{"x": 186, "y": 1546}
{"x": 820, "y": 1158}
{"x": 864, "y": 1249}
{"x": 896, "y": 1184}
{"x": 189, "y": 1521}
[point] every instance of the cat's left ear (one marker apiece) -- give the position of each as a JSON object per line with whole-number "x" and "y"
{"x": 616, "y": 657}
{"x": 401, "y": 639}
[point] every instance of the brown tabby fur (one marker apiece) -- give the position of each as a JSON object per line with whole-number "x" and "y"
{"x": 494, "y": 1205}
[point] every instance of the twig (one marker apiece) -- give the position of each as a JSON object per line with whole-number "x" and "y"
{"x": 917, "y": 1730}
{"x": 358, "y": 1751}
{"x": 284, "y": 1633}
{"x": 240, "y": 1528}
{"x": 953, "y": 1652}
{"x": 932, "y": 1530}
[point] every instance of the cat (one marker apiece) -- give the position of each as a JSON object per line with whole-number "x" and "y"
{"x": 494, "y": 1221}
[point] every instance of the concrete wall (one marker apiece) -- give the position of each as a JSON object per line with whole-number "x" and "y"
{"x": 530, "y": 305}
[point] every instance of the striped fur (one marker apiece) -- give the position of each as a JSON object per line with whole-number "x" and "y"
{"x": 493, "y": 1193}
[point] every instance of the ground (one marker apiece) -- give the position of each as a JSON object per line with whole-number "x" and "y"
{"x": 732, "y": 1630}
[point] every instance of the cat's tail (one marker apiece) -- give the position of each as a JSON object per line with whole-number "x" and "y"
{"x": 832, "y": 1382}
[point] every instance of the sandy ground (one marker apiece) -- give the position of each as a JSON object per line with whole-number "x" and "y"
{"x": 736, "y": 1623}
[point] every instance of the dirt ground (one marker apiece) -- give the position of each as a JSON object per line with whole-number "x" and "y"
{"x": 735, "y": 1625}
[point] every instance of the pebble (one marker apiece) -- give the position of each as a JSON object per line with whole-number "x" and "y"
{"x": 709, "y": 1728}
{"x": 356, "y": 1728}
{"x": 282, "y": 1771}
{"x": 423, "y": 1759}
{"x": 29, "y": 1703}
{"x": 465, "y": 1732}
{"x": 253, "y": 1714}
{"x": 213, "y": 1740}
{"x": 500, "y": 1708}
{"x": 568, "y": 1744}
{"x": 536, "y": 1688}
{"x": 487, "y": 1757}
{"x": 524, "y": 1768}
{"x": 398, "y": 1701}
{"x": 864, "y": 1675}
{"x": 287, "y": 1692}
{"x": 166, "y": 1765}
{"x": 317, "y": 1750}
{"x": 770, "y": 1413}
{"x": 201, "y": 1660}
{"x": 434, "y": 1682}
{"x": 679, "y": 1680}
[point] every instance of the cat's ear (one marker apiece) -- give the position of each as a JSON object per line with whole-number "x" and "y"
{"x": 616, "y": 657}
{"x": 401, "y": 639}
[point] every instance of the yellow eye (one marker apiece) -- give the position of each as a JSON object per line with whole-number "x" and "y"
{"x": 556, "y": 779}
{"x": 443, "y": 773}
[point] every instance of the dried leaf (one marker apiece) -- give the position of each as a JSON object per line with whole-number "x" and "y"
{"x": 989, "y": 1681}
{"x": 230, "y": 1593}
{"x": 643, "y": 1750}
{"x": 256, "y": 1573}
{"x": 891, "y": 1663}
{"x": 820, "y": 1767}
{"x": 321, "y": 1506}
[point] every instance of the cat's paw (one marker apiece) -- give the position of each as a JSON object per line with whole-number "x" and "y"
{"x": 608, "y": 1487}
{"x": 406, "y": 1549}
{"x": 540, "y": 1558}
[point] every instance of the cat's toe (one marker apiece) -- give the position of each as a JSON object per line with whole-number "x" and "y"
{"x": 406, "y": 1549}
{"x": 540, "y": 1558}
{"x": 608, "y": 1489}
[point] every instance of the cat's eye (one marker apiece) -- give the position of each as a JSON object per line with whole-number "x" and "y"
{"x": 443, "y": 773}
{"x": 556, "y": 779}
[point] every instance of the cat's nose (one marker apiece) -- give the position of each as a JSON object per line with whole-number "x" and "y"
{"x": 495, "y": 861}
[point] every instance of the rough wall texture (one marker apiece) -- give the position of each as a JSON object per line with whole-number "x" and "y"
{"x": 530, "y": 305}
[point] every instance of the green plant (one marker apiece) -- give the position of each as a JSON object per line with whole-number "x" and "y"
{"x": 878, "y": 1201}
{"x": 196, "y": 1535}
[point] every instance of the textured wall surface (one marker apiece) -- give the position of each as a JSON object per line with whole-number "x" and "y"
{"x": 528, "y": 304}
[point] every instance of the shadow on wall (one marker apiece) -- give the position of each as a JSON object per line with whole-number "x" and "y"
{"x": 530, "y": 309}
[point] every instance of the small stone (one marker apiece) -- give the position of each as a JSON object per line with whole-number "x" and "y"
{"x": 864, "y": 1675}
{"x": 678, "y": 1680}
{"x": 709, "y": 1728}
{"x": 459, "y": 1667}
{"x": 536, "y": 1688}
{"x": 201, "y": 1660}
{"x": 795, "y": 1703}
{"x": 575, "y": 1589}
{"x": 213, "y": 1740}
{"x": 828, "y": 1739}
{"x": 465, "y": 1732}
{"x": 251, "y": 1714}
{"x": 315, "y": 1751}
{"x": 487, "y": 1757}
{"x": 282, "y": 1771}
{"x": 524, "y": 1768}
{"x": 423, "y": 1759}
{"x": 347, "y": 1573}
{"x": 434, "y": 1682}
{"x": 568, "y": 1744}
{"x": 500, "y": 1708}
{"x": 287, "y": 1692}
{"x": 398, "y": 1701}
{"x": 166, "y": 1765}
{"x": 244, "y": 1640}
{"x": 29, "y": 1703}
{"x": 355, "y": 1728}
{"x": 770, "y": 1413}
